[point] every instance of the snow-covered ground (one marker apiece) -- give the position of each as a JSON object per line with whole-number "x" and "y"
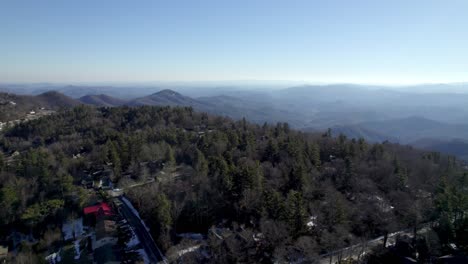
{"x": 143, "y": 255}
{"x": 73, "y": 229}
{"x": 134, "y": 241}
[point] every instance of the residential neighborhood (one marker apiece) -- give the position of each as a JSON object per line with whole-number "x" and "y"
{"x": 101, "y": 235}
{"x": 31, "y": 115}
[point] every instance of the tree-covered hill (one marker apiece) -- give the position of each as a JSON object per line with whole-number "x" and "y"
{"x": 102, "y": 100}
{"x": 284, "y": 195}
{"x": 14, "y": 106}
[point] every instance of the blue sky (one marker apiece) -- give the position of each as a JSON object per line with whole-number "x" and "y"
{"x": 397, "y": 41}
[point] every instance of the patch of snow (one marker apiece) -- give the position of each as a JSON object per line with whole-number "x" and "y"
{"x": 187, "y": 250}
{"x": 129, "y": 205}
{"x": 54, "y": 258}
{"x": 134, "y": 241}
{"x": 144, "y": 256}
{"x": 193, "y": 236}
{"x": 378, "y": 198}
{"x": 73, "y": 229}
{"x": 77, "y": 249}
{"x": 384, "y": 206}
{"x": 257, "y": 237}
{"x": 215, "y": 232}
{"x": 312, "y": 222}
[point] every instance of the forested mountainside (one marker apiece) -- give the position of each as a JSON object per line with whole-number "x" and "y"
{"x": 102, "y": 100}
{"x": 256, "y": 193}
{"x": 14, "y": 106}
{"x": 375, "y": 115}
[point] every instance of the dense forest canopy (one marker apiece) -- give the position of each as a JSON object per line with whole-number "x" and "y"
{"x": 303, "y": 194}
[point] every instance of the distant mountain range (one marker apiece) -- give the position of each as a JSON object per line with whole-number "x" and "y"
{"x": 432, "y": 120}
{"x": 166, "y": 97}
{"x": 455, "y": 147}
{"x": 415, "y": 131}
{"x": 405, "y": 130}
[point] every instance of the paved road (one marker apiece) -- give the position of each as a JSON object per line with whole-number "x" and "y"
{"x": 150, "y": 247}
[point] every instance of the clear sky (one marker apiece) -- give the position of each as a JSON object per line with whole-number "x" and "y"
{"x": 374, "y": 41}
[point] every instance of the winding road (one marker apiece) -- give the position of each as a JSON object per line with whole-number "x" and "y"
{"x": 154, "y": 254}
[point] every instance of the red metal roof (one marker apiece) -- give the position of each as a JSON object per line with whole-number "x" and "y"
{"x": 95, "y": 209}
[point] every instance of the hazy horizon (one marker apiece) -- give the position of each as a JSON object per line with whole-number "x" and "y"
{"x": 225, "y": 83}
{"x": 364, "y": 42}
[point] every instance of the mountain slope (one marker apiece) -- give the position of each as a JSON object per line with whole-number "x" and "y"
{"x": 14, "y": 106}
{"x": 416, "y": 131}
{"x": 413, "y": 128}
{"x": 255, "y": 109}
{"x": 102, "y": 100}
{"x": 166, "y": 97}
{"x": 53, "y": 99}
{"x": 455, "y": 147}
{"x": 356, "y": 131}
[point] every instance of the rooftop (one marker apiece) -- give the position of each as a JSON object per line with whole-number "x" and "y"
{"x": 103, "y": 208}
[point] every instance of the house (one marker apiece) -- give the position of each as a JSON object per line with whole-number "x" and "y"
{"x": 103, "y": 178}
{"x": 98, "y": 209}
{"x": 87, "y": 182}
{"x": 106, "y": 234}
{"x": 105, "y": 184}
{"x": 3, "y": 252}
{"x": 94, "y": 213}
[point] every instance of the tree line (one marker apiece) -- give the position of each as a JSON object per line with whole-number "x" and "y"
{"x": 304, "y": 194}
